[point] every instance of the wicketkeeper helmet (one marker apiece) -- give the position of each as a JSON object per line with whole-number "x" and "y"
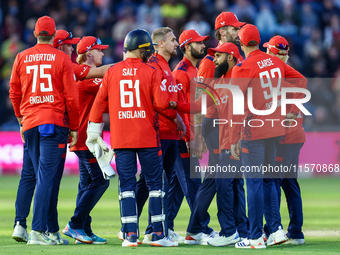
{"x": 139, "y": 39}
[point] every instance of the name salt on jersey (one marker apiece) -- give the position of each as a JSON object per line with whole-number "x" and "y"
{"x": 129, "y": 71}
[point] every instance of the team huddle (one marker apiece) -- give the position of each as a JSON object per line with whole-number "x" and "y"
{"x": 155, "y": 114}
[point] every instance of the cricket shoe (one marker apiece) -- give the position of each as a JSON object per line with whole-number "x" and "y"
{"x": 175, "y": 237}
{"x": 251, "y": 244}
{"x": 264, "y": 236}
{"x": 121, "y": 237}
{"x": 37, "y": 237}
{"x": 199, "y": 238}
{"x": 162, "y": 241}
{"x": 213, "y": 234}
{"x": 220, "y": 241}
{"x": 130, "y": 241}
{"x": 20, "y": 233}
{"x": 57, "y": 238}
{"x": 147, "y": 239}
{"x": 278, "y": 237}
{"x": 78, "y": 234}
{"x": 295, "y": 241}
{"x": 95, "y": 240}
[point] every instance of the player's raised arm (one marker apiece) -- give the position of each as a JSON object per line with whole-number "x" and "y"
{"x": 100, "y": 103}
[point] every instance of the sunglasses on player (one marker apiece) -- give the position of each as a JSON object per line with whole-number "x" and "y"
{"x": 280, "y": 46}
{"x": 70, "y": 36}
{"x": 98, "y": 42}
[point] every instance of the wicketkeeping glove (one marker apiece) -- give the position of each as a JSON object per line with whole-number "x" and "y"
{"x": 94, "y": 131}
{"x": 99, "y": 149}
{"x": 104, "y": 159}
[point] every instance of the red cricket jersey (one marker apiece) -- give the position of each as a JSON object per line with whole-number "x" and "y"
{"x": 132, "y": 89}
{"x": 167, "y": 126}
{"x": 295, "y": 134}
{"x": 88, "y": 90}
{"x": 81, "y": 71}
{"x": 221, "y": 106}
{"x": 207, "y": 70}
{"x": 183, "y": 73}
{"x": 260, "y": 72}
{"x": 43, "y": 88}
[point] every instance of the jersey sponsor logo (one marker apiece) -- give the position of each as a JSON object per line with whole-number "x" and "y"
{"x": 41, "y": 100}
{"x": 171, "y": 88}
{"x": 175, "y": 88}
{"x": 39, "y": 57}
{"x": 163, "y": 85}
{"x": 97, "y": 81}
{"x": 224, "y": 100}
{"x": 131, "y": 114}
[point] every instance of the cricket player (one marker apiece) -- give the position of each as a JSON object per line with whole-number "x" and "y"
{"x": 225, "y": 58}
{"x": 133, "y": 89}
{"x": 92, "y": 184}
{"x": 166, "y": 47}
{"x": 226, "y": 30}
{"x": 229, "y": 185}
{"x": 44, "y": 97}
{"x": 62, "y": 41}
{"x": 259, "y": 145}
{"x": 288, "y": 153}
{"x": 192, "y": 46}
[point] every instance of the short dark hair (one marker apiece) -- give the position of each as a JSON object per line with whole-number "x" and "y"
{"x": 235, "y": 59}
{"x": 44, "y": 37}
{"x": 217, "y": 32}
{"x": 183, "y": 48}
{"x": 252, "y": 43}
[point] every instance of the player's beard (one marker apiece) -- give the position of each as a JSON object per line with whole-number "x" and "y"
{"x": 231, "y": 39}
{"x": 196, "y": 54}
{"x": 172, "y": 53}
{"x": 221, "y": 69}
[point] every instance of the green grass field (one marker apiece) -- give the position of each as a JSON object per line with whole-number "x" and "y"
{"x": 321, "y": 201}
